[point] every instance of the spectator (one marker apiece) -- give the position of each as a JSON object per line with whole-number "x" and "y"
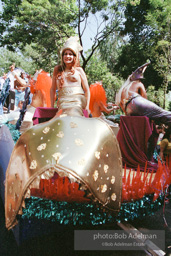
{"x": 165, "y": 145}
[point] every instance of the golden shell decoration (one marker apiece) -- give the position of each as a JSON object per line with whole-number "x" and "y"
{"x": 95, "y": 175}
{"x": 60, "y": 134}
{"x": 33, "y": 165}
{"x": 97, "y": 154}
{"x": 57, "y": 155}
{"x": 46, "y": 130}
{"x": 113, "y": 179}
{"x": 41, "y": 147}
{"x": 106, "y": 167}
{"x": 79, "y": 142}
{"x": 73, "y": 125}
{"x": 113, "y": 197}
{"x": 103, "y": 188}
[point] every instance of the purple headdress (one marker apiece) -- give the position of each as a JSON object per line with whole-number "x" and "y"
{"x": 139, "y": 72}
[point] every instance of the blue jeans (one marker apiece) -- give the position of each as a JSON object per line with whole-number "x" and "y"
{"x": 19, "y": 96}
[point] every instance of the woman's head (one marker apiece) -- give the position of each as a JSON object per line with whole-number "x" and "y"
{"x": 69, "y": 58}
{"x": 72, "y": 45}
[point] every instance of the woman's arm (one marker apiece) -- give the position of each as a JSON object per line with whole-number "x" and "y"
{"x": 85, "y": 86}
{"x": 21, "y": 81}
{"x": 142, "y": 91}
{"x": 107, "y": 110}
{"x": 53, "y": 87}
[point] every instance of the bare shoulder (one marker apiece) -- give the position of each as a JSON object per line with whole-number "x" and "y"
{"x": 80, "y": 69}
{"x": 57, "y": 69}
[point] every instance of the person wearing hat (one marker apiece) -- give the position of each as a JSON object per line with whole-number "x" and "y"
{"x": 71, "y": 82}
{"x": 132, "y": 98}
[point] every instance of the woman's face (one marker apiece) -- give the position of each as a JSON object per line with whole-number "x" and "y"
{"x": 68, "y": 57}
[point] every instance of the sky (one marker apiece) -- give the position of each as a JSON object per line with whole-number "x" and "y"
{"x": 88, "y": 34}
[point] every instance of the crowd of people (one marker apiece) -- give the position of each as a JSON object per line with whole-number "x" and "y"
{"x": 39, "y": 96}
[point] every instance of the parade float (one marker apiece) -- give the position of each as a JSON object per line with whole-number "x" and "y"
{"x": 75, "y": 171}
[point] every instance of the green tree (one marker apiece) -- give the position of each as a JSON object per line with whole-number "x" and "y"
{"x": 97, "y": 70}
{"x": 23, "y": 61}
{"x": 45, "y": 24}
{"x": 41, "y": 23}
{"x": 107, "y": 20}
{"x": 146, "y": 23}
{"x": 159, "y": 18}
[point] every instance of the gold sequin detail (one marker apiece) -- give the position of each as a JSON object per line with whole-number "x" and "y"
{"x": 46, "y": 130}
{"x": 113, "y": 179}
{"x": 97, "y": 154}
{"x": 41, "y": 147}
{"x": 95, "y": 175}
{"x": 79, "y": 142}
{"x": 33, "y": 164}
{"x": 57, "y": 155}
{"x": 60, "y": 134}
{"x": 73, "y": 125}
{"x": 106, "y": 167}
{"x": 81, "y": 162}
{"x": 103, "y": 188}
{"x": 113, "y": 197}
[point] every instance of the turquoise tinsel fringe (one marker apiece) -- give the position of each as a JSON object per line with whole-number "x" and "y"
{"x": 14, "y": 133}
{"x": 88, "y": 214}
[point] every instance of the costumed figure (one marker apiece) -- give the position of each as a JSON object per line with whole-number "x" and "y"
{"x": 72, "y": 158}
{"x": 98, "y": 104}
{"x": 132, "y": 99}
{"x": 71, "y": 82}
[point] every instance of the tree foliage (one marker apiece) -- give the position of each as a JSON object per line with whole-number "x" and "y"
{"x": 107, "y": 21}
{"x": 23, "y": 61}
{"x": 146, "y": 23}
{"x": 44, "y": 24}
{"x": 97, "y": 70}
{"x": 159, "y": 17}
